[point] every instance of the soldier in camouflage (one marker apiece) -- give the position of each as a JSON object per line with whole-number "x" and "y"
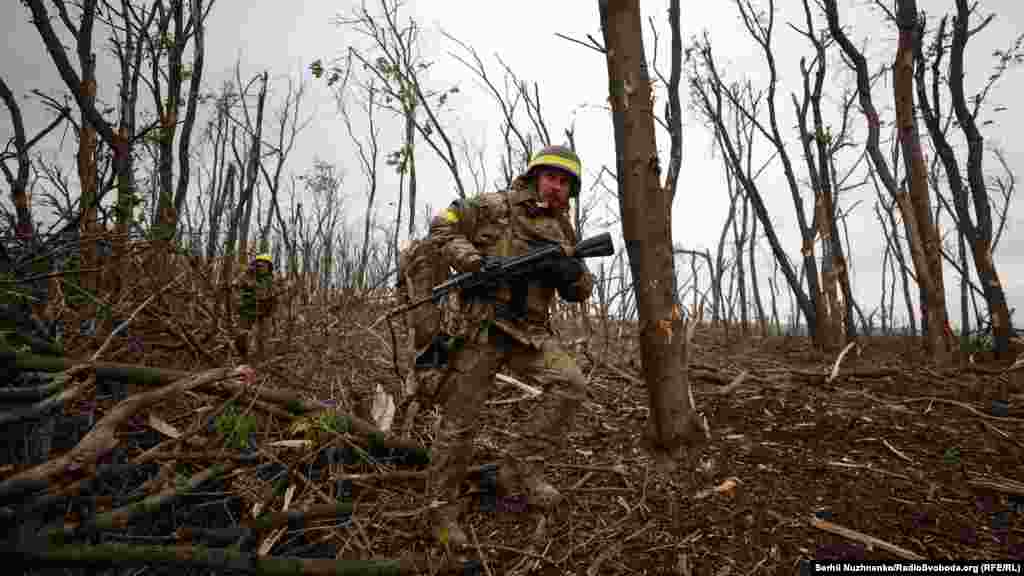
{"x": 471, "y": 234}
{"x": 256, "y": 304}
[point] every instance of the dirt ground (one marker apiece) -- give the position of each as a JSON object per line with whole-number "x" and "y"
{"x": 891, "y": 448}
{"x": 906, "y": 454}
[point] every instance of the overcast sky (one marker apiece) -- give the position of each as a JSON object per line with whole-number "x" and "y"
{"x": 284, "y": 37}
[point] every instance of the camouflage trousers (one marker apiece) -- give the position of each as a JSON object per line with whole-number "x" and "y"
{"x": 465, "y": 391}
{"x": 251, "y": 327}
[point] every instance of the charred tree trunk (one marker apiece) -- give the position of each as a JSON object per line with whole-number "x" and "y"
{"x": 167, "y": 218}
{"x": 228, "y": 260}
{"x": 719, "y": 269}
{"x": 19, "y": 181}
{"x": 978, "y": 235}
{"x": 755, "y": 289}
{"x": 87, "y": 172}
{"x": 219, "y": 184}
{"x": 740, "y": 237}
{"x": 251, "y": 172}
{"x": 197, "y": 16}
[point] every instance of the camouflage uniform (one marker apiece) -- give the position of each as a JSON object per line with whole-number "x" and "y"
{"x": 255, "y": 307}
{"x": 420, "y": 269}
{"x": 502, "y": 224}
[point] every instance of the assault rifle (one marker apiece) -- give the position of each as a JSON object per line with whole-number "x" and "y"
{"x": 514, "y": 272}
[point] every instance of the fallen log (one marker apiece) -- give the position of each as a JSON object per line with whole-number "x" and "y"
{"x": 120, "y": 518}
{"x": 145, "y": 375}
{"x": 151, "y": 376}
{"x": 81, "y": 460}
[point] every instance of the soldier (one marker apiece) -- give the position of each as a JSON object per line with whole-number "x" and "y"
{"x": 472, "y": 234}
{"x": 256, "y": 303}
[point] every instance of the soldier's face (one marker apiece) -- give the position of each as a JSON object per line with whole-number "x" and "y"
{"x": 554, "y": 186}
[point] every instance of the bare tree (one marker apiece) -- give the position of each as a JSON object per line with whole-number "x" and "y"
{"x": 217, "y": 134}
{"x": 762, "y": 320}
{"x": 18, "y": 180}
{"x": 324, "y": 183}
{"x": 820, "y": 147}
{"x": 289, "y": 125}
{"x": 645, "y": 206}
{"x": 251, "y": 162}
{"x": 710, "y": 93}
{"x": 892, "y": 237}
{"x": 368, "y": 151}
{"x": 521, "y": 135}
{"x": 914, "y": 207}
{"x": 397, "y": 67}
{"x": 976, "y": 194}
{"x": 166, "y": 47}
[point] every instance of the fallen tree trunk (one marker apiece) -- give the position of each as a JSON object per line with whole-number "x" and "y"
{"x": 150, "y": 376}
{"x": 120, "y": 518}
{"x": 145, "y": 375}
{"x": 103, "y": 437}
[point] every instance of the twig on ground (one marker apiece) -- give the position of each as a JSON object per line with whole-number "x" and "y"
{"x": 595, "y": 566}
{"x": 530, "y": 390}
{"x": 839, "y": 360}
{"x": 124, "y": 325}
{"x": 867, "y": 540}
{"x": 736, "y": 382}
{"x": 581, "y": 481}
{"x": 933, "y": 399}
{"x": 1001, "y": 485}
{"x": 897, "y": 452}
{"x": 868, "y": 467}
{"x": 476, "y": 543}
{"x": 525, "y": 553}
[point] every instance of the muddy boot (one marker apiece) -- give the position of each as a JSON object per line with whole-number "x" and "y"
{"x": 540, "y": 492}
{"x": 242, "y": 345}
{"x": 508, "y": 481}
{"x": 445, "y": 524}
{"x": 519, "y": 476}
{"x": 261, "y": 339}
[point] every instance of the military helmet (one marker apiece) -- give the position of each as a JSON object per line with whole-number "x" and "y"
{"x": 562, "y": 158}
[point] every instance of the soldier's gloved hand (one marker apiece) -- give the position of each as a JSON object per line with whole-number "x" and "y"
{"x": 562, "y": 272}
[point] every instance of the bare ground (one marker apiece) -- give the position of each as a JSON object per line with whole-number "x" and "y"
{"x": 906, "y": 454}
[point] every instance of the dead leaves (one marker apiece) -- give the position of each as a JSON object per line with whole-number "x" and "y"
{"x": 727, "y": 487}
{"x": 383, "y": 410}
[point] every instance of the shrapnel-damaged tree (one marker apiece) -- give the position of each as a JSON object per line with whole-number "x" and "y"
{"x": 913, "y": 203}
{"x": 977, "y": 231}
{"x": 646, "y": 206}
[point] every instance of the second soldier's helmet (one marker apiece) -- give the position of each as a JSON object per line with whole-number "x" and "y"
{"x": 260, "y": 258}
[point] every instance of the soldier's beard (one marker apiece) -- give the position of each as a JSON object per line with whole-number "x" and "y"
{"x": 552, "y": 201}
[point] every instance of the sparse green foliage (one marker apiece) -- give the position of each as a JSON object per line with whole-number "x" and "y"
{"x": 235, "y": 427}
{"x": 975, "y": 343}
{"x": 333, "y": 422}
